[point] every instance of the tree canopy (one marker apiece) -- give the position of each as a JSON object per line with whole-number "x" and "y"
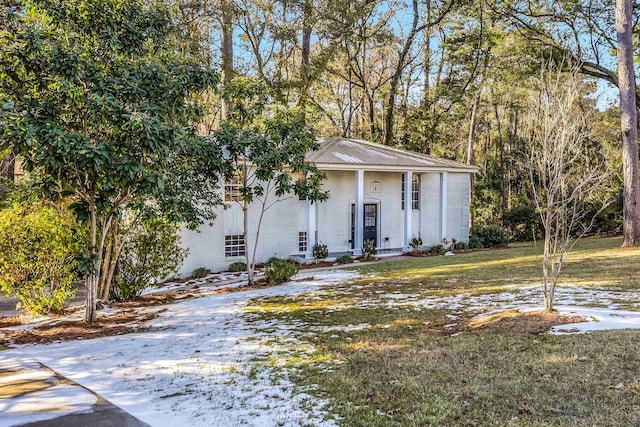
{"x": 98, "y": 98}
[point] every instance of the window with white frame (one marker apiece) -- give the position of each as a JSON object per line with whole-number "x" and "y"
{"x": 302, "y": 241}
{"x": 234, "y": 245}
{"x": 302, "y": 177}
{"x": 232, "y": 188}
{"x": 415, "y": 191}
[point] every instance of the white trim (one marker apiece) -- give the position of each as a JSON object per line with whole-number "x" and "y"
{"x": 359, "y": 213}
{"x": 312, "y": 228}
{"x": 443, "y": 206}
{"x": 382, "y": 168}
{"x": 408, "y": 208}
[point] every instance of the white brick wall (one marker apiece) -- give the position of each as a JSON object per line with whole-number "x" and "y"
{"x": 458, "y": 207}
{"x": 283, "y": 221}
{"x": 430, "y": 212}
{"x": 278, "y": 235}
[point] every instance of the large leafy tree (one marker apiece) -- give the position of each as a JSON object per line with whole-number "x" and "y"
{"x": 94, "y": 93}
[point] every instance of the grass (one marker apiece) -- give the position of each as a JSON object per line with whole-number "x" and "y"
{"x": 401, "y": 364}
{"x": 593, "y": 261}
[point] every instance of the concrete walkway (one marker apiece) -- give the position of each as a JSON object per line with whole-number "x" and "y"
{"x": 31, "y": 394}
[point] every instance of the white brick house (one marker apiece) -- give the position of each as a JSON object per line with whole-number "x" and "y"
{"x": 367, "y": 200}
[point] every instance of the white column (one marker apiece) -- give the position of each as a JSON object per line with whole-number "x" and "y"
{"x": 443, "y": 205}
{"x": 312, "y": 227}
{"x": 408, "y": 209}
{"x": 359, "y": 214}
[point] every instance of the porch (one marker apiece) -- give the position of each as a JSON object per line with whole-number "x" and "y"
{"x": 387, "y": 205}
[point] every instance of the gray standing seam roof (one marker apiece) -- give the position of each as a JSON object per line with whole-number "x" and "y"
{"x": 356, "y": 152}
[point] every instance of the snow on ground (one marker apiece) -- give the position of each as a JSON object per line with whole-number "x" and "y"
{"x": 198, "y": 365}
{"x": 201, "y": 363}
{"x": 211, "y": 281}
{"x": 601, "y": 319}
{"x": 600, "y": 305}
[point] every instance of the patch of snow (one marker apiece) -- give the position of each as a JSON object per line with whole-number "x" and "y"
{"x": 347, "y": 328}
{"x": 603, "y": 319}
{"x": 212, "y": 281}
{"x": 108, "y": 310}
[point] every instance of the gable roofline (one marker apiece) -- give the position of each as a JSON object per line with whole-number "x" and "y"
{"x": 337, "y": 153}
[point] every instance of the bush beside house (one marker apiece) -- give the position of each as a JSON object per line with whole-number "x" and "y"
{"x": 39, "y": 252}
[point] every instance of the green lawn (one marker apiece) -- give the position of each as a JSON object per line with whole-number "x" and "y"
{"x": 382, "y": 358}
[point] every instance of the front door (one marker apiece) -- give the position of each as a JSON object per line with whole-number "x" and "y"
{"x": 370, "y": 222}
{"x": 370, "y": 231}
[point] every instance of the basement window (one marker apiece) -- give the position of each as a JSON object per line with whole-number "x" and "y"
{"x": 302, "y": 241}
{"x": 234, "y": 245}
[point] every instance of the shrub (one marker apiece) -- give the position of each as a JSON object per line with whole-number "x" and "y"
{"x": 6, "y": 189}
{"x": 39, "y": 251}
{"x": 201, "y": 272}
{"x": 492, "y": 235}
{"x": 475, "y": 242}
{"x": 368, "y": 249}
{"x": 279, "y": 270}
{"x": 345, "y": 259}
{"x": 437, "y": 249}
{"x": 151, "y": 251}
{"x": 415, "y": 244}
{"x": 238, "y": 266}
{"x": 320, "y": 251}
{"x": 446, "y": 244}
{"x": 523, "y": 223}
{"x": 460, "y": 245}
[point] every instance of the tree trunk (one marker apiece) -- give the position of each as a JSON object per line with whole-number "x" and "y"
{"x": 306, "y": 33}
{"x": 470, "y": 146}
{"x": 306, "y": 51}
{"x": 629, "y": 122}
{"x": 245, "y": 226}
{"x": 472, "y": 131}
{"x": 546, "y": 260}
{"x": 500, "y": 148}
{"x": 427, "y": 55}
{"x": 92, "y": 279}
{"x": 106, "y": 261}
{"x": 226, "y": 51}
{"x": 110, "y": 269}
{"x": 389, "y": 116}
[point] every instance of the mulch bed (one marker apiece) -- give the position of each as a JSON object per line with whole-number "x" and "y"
{"x": 455, "y": 251}
{"x": 106, "y": 325}
{"x": 127, "y": 320}
{"x": 530, "y": 323}
{"x": 6, "y": 322}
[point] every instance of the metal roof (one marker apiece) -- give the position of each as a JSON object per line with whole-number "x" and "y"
{"x": 346, "y": 153}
